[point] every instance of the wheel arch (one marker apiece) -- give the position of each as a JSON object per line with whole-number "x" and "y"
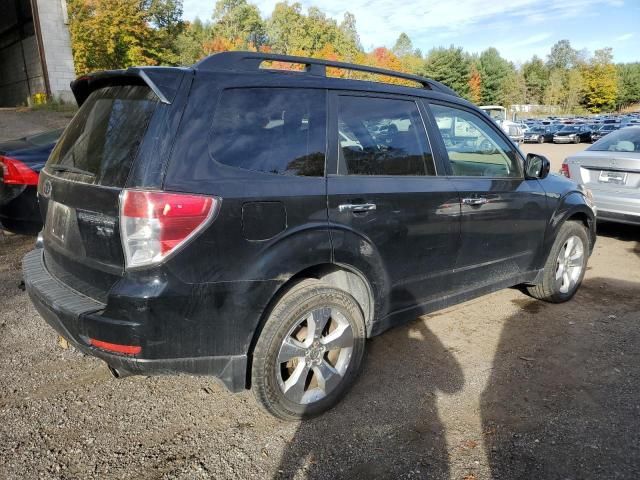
{"x": 345, "y": 277}
{"x": 573, "y": 207}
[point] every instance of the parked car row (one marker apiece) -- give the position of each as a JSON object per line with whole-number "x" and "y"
{"x": 575, "y": 129}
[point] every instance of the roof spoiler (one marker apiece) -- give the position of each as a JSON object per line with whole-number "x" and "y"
{"x": 163, "y": 81}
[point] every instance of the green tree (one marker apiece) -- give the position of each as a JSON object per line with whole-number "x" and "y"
{"x": 238, "y": 21}
{"x": 450, "y": 66}
{"x": 628, "y": 84}
{"x": 493, "y": 70}
{"x": 513, "y": 89}
{"x": 189, "y": 44}
{"x": 403, "y": 46}
{"x": 348, "y": 41}
{"x": 600, "y": 82}
{"x": 562, "y": 56}
{"x": 536, "y": 78}
{"x": 553, "y": 94}
{"x": 292, "y": 32}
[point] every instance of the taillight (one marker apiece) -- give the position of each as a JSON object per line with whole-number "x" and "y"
{"x": 154, "y": 225}
{"x": 14, "y": 172}
{"x": 564, "y": 170}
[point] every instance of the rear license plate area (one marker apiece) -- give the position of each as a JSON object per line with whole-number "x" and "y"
{"x": 58, "y": 220}
{"x": 614, "y": 178}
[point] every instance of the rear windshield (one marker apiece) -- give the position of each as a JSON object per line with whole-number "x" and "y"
{"x": 624, "y": 140}
{"x": 102, "y": 140}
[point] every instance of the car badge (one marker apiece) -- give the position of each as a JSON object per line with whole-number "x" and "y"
{"x": 46, "y": 188}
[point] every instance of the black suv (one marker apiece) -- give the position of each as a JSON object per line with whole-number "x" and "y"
{"x": 258, "y": 225}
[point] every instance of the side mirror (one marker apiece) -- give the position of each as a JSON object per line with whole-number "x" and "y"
{"x": 536, "y": 166}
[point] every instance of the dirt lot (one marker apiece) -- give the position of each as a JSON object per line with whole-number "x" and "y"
{"x": 501, "y": 387}
{"x": 16, "y": 123}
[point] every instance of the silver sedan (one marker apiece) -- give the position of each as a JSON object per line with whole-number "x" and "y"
{"x": 610, "y": 168}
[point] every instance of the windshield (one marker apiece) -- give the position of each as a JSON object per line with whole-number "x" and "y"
{"x": 538, "y": 130}
{"x": 102, "y": 140}
{"x": 624, "y": 140}
{"x": 569, "y": 128}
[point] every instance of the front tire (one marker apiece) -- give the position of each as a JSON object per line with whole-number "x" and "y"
{"x": 566, "y": 265}
{"x": 576, "y": 140}
{"x": 309, "y": 352}
{"x": 540, "y": 139}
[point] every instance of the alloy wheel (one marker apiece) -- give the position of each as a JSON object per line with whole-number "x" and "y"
{"x": 569, "y": 264}
{"x": 314, "y": 355}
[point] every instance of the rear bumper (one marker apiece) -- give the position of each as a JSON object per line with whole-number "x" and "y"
{"x": 618, "y": 217}
{"x": 623, "y": 207}
{"x": 76, "y": 317}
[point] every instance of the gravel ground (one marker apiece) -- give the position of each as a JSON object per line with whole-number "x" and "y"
{"x": 16, "y": 123}
{"x": 500, "y": 387}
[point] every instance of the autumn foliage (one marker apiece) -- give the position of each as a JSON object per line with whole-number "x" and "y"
{"x": 112, "y": 34}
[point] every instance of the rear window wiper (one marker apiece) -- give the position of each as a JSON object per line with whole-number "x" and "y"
{"x": 65, "y": 168}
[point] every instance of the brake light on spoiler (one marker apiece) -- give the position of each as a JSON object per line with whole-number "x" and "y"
{"x": 15, "y": 172}
{"x": 155, "y": 225}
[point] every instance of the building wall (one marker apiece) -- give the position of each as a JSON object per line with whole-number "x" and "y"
{"x": 21, "y": 72}
{"x": 56, "y": 44}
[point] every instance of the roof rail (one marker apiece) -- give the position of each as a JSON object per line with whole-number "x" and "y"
{"x": 250, "y": 61}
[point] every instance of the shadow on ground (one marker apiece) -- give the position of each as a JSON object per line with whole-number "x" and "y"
{"x": 388, "y": 425}
{"x": 623, "y": 232}
{"x": 563, "y": 399}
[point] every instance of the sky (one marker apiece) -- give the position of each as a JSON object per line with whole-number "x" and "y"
{"x": 517, "y": 28}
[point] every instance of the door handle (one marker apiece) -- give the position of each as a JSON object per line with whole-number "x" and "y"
{"x": 475, "y": 201}
{"x": 357, "y": 208}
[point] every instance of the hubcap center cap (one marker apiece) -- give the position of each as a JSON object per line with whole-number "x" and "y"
{"x": 314, "y": 354}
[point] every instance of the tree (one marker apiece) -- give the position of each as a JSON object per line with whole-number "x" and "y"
{"x": 554, "y": 92}
{"x": 348, "y": 41}
{"x": 189, "y": 44}
{"x": 403, "y": 46}
{"x": 238, "y": 22}
{"x": 628, "y": 84}
{"x": 493, "y": 69}
{"x": 600, "y": 82}
{"x": 513, "y": 89}
{"x": 111, "y": 34}
{"x": 450, "y": 66}
{"x": 562, "y": 56}
{"x": 536, "y": 79}
{"x": 475, "y": 85}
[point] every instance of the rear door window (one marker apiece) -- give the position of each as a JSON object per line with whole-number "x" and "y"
{"x": 271, "y": 130}
{"x": 382, "y": 136}
{"x": 101, "y": 142}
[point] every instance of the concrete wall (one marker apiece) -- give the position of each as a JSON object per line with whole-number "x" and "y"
{"x": 56, "y": 44}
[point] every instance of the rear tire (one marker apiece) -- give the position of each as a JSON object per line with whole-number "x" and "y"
{"x": 566, "y": 265}
{"x": 309, "y": 352}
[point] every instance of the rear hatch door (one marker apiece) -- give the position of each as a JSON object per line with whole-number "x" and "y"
{"x": 81, "y": 183}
